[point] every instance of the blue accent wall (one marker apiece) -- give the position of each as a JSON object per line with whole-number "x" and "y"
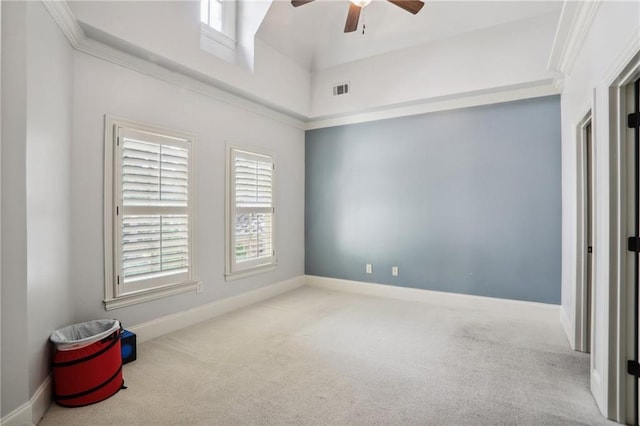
{"x": 464, "y": 201}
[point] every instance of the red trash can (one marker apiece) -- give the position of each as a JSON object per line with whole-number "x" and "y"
{"x": 87, "y": 363}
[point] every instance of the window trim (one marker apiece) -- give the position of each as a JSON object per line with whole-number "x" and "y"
{"x": 227, "y": 35}
{"x": 113, "y": 300}
{"x": 232, "y": 272}
{"x": 217, "y": 36}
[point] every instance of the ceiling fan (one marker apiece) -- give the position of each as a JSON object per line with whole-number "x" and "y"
{"x": 412, "y": 6}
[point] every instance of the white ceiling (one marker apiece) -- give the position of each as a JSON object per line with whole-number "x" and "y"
{"x": 312, "y": 34}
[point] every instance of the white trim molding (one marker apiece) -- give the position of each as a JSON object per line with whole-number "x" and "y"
{"x": 440, "y": 298}
{"x": 151, "y": 288}
{"x": 32, "y": 411}
{"x": 567, "y": 327}
{"x": 494, "y": 95}
{"x": 217, "y": 36}
{"x": 573, "y": 26}
{"x": 63, "y": 16}
{"x": 614, "y": 388}
{"x": 584, "y": 272}
{"x": 111, "y": 303}
{"x": 226, "y": 34}
{"x": 235, "y": 270}
{"x": 19, "y": 417}
{"x": 96, "y": 44}
{"x": 103, "y": 47}
{"x": 174, "y": 322}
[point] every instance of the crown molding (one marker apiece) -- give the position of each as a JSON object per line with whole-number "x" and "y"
{"x": 536, "y": 89}
{"x": 63, "y": 16}
{"x": 575, "y": 20}
{"x": 185, "y": 78}
{"x": 102, "y": 46}
{"x": 617, "y": 75}
{"x": 106, "y": 48}
{"x": 558, "y": 83}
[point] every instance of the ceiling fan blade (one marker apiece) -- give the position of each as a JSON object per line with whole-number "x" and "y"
{"x": 297, "y": 3}
{"x": 352, "y": 18}
{"x": 412, "y": 6}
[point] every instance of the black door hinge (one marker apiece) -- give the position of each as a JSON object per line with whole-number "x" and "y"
{"x": 633, "y": 368}
{"x": 590, "y": 249}
{"x": 633, "y": 244}
{"x": 633, "y": 120}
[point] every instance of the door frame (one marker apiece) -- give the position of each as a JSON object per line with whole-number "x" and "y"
{"x": 582, "y": 326}
{"x": 628, "y": 314}
{"x": 620, "y": 345}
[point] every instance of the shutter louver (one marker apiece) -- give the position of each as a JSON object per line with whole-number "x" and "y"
{"x": 154, "y": 174}
{"x": 253, "y": 183}
{"x": 155, "y": 221}
{"x": 253, "y": 196}
{"x": 253, "y": 236}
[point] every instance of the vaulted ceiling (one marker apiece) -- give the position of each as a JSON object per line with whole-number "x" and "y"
{"x": 288, "y": 59}
{"x": 312, "y": 35}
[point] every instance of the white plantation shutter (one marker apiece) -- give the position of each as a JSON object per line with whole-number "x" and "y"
{"x": 153, "y": 245}
{"x": 153, "y": 218}
{"x": 252, "y": 210}
{"x": 154, "y": 174}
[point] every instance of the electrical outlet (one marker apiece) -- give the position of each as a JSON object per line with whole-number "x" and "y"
{"x": 199, "y": 287}
{"x": 394, "y": 271}
{"x": 369, "y": 268}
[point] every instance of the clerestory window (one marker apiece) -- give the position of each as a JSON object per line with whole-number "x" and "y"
{"x": 218, "y": 19}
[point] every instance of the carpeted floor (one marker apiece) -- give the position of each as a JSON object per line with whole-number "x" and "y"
{"x": 317, "y": 357}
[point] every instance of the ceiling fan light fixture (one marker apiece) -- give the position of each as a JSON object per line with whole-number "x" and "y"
{"x": 411, "y": 6}
{"x": 361, "y": 3}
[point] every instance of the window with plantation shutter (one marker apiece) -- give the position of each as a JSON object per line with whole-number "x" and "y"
{"x": 250, "y": 234}
{"x": 150, "y": 213}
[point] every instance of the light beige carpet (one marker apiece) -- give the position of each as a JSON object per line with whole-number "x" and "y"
{"x": 316, "y": 357}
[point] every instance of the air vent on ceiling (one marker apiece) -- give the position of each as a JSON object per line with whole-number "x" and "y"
{"x": 341, "y": 89}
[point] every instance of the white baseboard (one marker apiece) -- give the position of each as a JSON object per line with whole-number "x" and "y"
{"x": 170, "y": 323}
{"x": 453, "y": 300}
{"x": 19, "y": 417}
{"x": 566, "y": 327}
{"x": 31, "y": 412}
{"x": 41, "y": 399}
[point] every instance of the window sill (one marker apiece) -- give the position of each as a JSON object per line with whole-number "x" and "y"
{"x": 232, "y": 276}
{"x": 148, "y": 295}
{"x": 218, "y": 36}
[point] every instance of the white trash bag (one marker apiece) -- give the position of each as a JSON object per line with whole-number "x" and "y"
{"x": 78, "y": 336}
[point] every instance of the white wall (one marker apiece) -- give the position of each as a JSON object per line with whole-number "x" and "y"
{"x": 37, "y": 115}
{"x": 53, "y": 106}
{"x": 49, "y": 102}
{"x": 104, "y": 88}
{"x": 49, "y": 125}
{"x": 172, "y": 30}
{"x": 615, "y": 26}
{"x": 15, "y": 375}
{"x": 506, "y": 55}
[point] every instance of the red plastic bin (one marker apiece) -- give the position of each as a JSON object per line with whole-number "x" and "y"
{"x": 87, "y": 363}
